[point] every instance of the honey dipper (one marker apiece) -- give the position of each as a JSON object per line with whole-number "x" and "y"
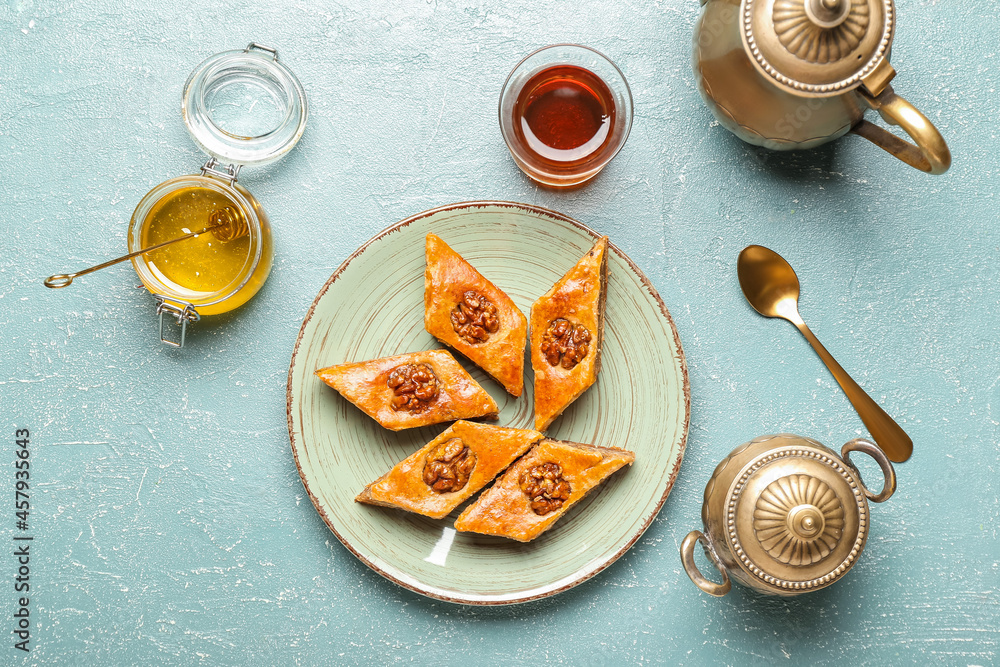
{"x": 226, "y": 224}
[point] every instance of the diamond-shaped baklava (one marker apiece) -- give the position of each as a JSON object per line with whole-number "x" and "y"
{"x": 540, "y": 488}
{"x": 440, "y": 476}
{"x": 408, "y": 390}
{"x": 467, "y": 312}
{"x": 567, "y": 329}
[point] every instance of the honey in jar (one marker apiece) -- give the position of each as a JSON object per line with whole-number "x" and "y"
{"x": 209, "y": 274}
{"x": 204, "y": 265}
{"x": 223, "y": 268}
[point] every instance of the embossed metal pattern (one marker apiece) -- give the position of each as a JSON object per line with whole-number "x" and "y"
{"x": 797, "y": 32}
{"x": 798, "y": 519}
{"x": 733, "y": 536}
{"x": 807, "y": 76}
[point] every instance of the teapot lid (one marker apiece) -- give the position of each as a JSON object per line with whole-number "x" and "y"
{"x": 817, "y": 47}
{"x": 796, "y": 516}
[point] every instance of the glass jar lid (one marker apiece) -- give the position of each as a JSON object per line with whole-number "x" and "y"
{"x": 245, "y": 107}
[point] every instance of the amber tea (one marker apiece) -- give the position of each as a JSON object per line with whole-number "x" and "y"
{"x": 565, "y": 112}
{"x": 564, "y": 115}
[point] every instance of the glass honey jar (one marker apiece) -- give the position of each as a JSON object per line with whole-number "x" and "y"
{"x": 241, "y": 108}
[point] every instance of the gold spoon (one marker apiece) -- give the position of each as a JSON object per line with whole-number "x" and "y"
{"x": 770, "y": 285}
{"x": 226, "y": 224}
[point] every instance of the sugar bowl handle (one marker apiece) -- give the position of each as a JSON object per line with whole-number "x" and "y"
{"x": 930, "y": 154}
{"x": 872, "y": 450}
{"x": 687, "y": 558}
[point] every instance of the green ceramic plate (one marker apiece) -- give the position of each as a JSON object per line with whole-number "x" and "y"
{"x": 373, "y": 307}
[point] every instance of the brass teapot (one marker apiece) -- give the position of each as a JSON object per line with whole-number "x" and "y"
{"x": 785, "y": 515}
{"x": 791, "y": 74}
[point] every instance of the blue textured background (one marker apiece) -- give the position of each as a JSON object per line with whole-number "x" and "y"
{"x": 170, "y": 523}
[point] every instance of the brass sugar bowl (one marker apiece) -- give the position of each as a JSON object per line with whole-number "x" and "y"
{"x": 785, "y": 515}
{"x": 791, "y": 74}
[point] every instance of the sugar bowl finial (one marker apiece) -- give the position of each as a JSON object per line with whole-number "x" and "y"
{"x": 828, "y": 13}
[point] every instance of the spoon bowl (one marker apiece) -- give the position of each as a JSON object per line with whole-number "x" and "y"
{"x": 770, "y": 285}
{"x": 768, "y": 282}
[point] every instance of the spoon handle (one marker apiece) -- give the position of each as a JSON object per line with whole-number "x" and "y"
{"x": 885, "y": 431}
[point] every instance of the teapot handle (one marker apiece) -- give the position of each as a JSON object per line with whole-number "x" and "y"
{"x": 930, "y": 154}
{"x": 687, "y": 558}
{"x": 872, "y": 450}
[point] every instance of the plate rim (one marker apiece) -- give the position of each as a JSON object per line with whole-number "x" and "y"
{"x": 517, "y": 598}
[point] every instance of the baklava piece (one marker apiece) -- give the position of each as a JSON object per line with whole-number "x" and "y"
{"x": 537, "y": 490}
{"x": 449, "y": 469}
{"x": 468, "y": 313}
{"x": 567, "y": 330}
{"x": 409, "y": 390}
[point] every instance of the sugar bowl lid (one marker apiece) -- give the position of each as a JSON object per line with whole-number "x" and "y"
{"x": 245, "y": 107}
{"x": 796, "y": 516}
{"x": 817, "y": 47}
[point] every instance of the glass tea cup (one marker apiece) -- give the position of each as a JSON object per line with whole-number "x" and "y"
{"x": 565, "y": 112}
